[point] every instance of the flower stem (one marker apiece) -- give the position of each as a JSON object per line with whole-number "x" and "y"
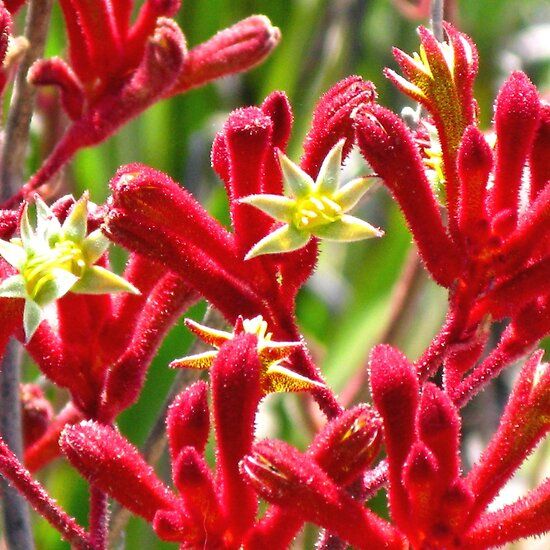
{"x": 99, "y": 518}
{"x": 155, "y": 443}
{"x": 436, "y": 18}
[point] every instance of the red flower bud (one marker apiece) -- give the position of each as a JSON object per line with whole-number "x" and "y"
{"x": 104, "y": 457}
{"x": 188, "y": 422}
{"x": 517, "y": 116}
{"x": 37, "y": 413}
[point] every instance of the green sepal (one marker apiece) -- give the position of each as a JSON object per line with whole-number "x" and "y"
{"x": 347, "y": 229}
{"x": 297, "y": 182}
{"x": 33, "y": 315}
{"x": 328, "y": 179}
{"x": 277, "y": 206}
{"x": 98, "y": 280}
{"x": 47, "y": 224}
{"x": 285, "y": 239}
{"x": 25, "y": 229}
{"x": 13, "y": 287}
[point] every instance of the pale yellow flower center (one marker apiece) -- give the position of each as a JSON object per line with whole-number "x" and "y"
{"x": 38, "y": 268}
{"x": 313, "y": 211}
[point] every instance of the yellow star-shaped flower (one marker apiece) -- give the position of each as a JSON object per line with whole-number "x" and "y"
{"x": 275, "y": 377}
{"x": 53, "y": 259}
{"x": 313, "y": 208}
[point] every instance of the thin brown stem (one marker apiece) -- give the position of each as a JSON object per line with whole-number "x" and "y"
{"x": 16, "y": 516}
{"x": 402, "y": 297}
{"x": 436, "y": 18}
{"x": 155, "y": 444}
{"x": 16, "y": 136}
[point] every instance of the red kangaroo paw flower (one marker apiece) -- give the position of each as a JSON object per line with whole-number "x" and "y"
{"x": 387, "y": 145}
{"x": 439, "y": 429}
{"x": 333, "y": 120}
{"x": 539, "y": 161}
{"x": 55, "y": 72}
{"x": 475, "y": 161}
{"x": 248, "y": 136}
{"x": 395, "y": 394}
{"x": 197, "y": 488}
{"x": 285, "y": 477}
{"x": 517, "y": 116}
{"x": 105, "y": 458}
{"x": 38, "y": 498}
{"x": 236, "y": 393}
{"x": 523, "y": 424}
{"x": 344, "y": 449}
{"x": 277, "y": 107}
{"x": 188, "y": 421}
{"x": 232, "y": 50}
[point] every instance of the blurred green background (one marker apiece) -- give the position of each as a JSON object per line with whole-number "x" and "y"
{"x": 344, "y": 308}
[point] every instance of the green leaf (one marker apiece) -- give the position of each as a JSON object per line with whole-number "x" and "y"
{"x": 98, "y": 280}
{"x": 284, "y": 239}
{"x": 278, "y": 207}
{"x": 33, "y": 315}
{"x": 350, "y": 194}
{"x": 94, "y": 246}
{"x": 76, "y": 224}
{"x": 13, "y": 254}
{"x": 13, "y": 287}
{"x": 347, "y": 229}
{"x": 329, "y": 174}
{"x": 297, "y": 183}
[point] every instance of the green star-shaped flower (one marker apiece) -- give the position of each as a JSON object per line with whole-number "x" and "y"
{"x": 54, "y": 259}
{"x": 313, "y": 208}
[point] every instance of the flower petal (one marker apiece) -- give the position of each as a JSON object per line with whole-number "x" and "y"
{"x": 280, "y": 379}
{"x": 350, "y": 194}
{"x": 199, "y": 361}
{"x": 59, "y": 282}
{"x": 98, "y": 280}
{"x": 14, "y": 254}
{"x": 13, "y": 287}
{"x": 277, "y": 206}
{"x": 94, "y": 246}
{"x": 328, "y": 178}
{"x": 296, "y": 181}
{"x": 33, "y": 315}
{"x": 347, "y": 229}
{"x": 284, "y": 239}
{"x": 75, "y": 225}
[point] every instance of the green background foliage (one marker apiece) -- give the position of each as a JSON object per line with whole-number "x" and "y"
{"x": 345, "y": 307}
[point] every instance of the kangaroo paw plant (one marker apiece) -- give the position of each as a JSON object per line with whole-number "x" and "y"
{"x": 394, "y": 473}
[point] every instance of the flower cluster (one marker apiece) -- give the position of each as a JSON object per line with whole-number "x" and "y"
{"x": 478, "y": 214}
{"x": 118, "y": 68}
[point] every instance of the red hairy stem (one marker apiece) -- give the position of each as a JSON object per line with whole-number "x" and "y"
{"x": 37, "y": 497}
{"x": 526, "y": 517}
{"x": 126, "y": 377}
{"x": 539, "y": 161}
{"x": 99, "y": 518}
{"x": 46, "y": 449}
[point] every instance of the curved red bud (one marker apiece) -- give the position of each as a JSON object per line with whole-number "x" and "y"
{"x": 188, "y": 420}
{"x": 104, "y": 457}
